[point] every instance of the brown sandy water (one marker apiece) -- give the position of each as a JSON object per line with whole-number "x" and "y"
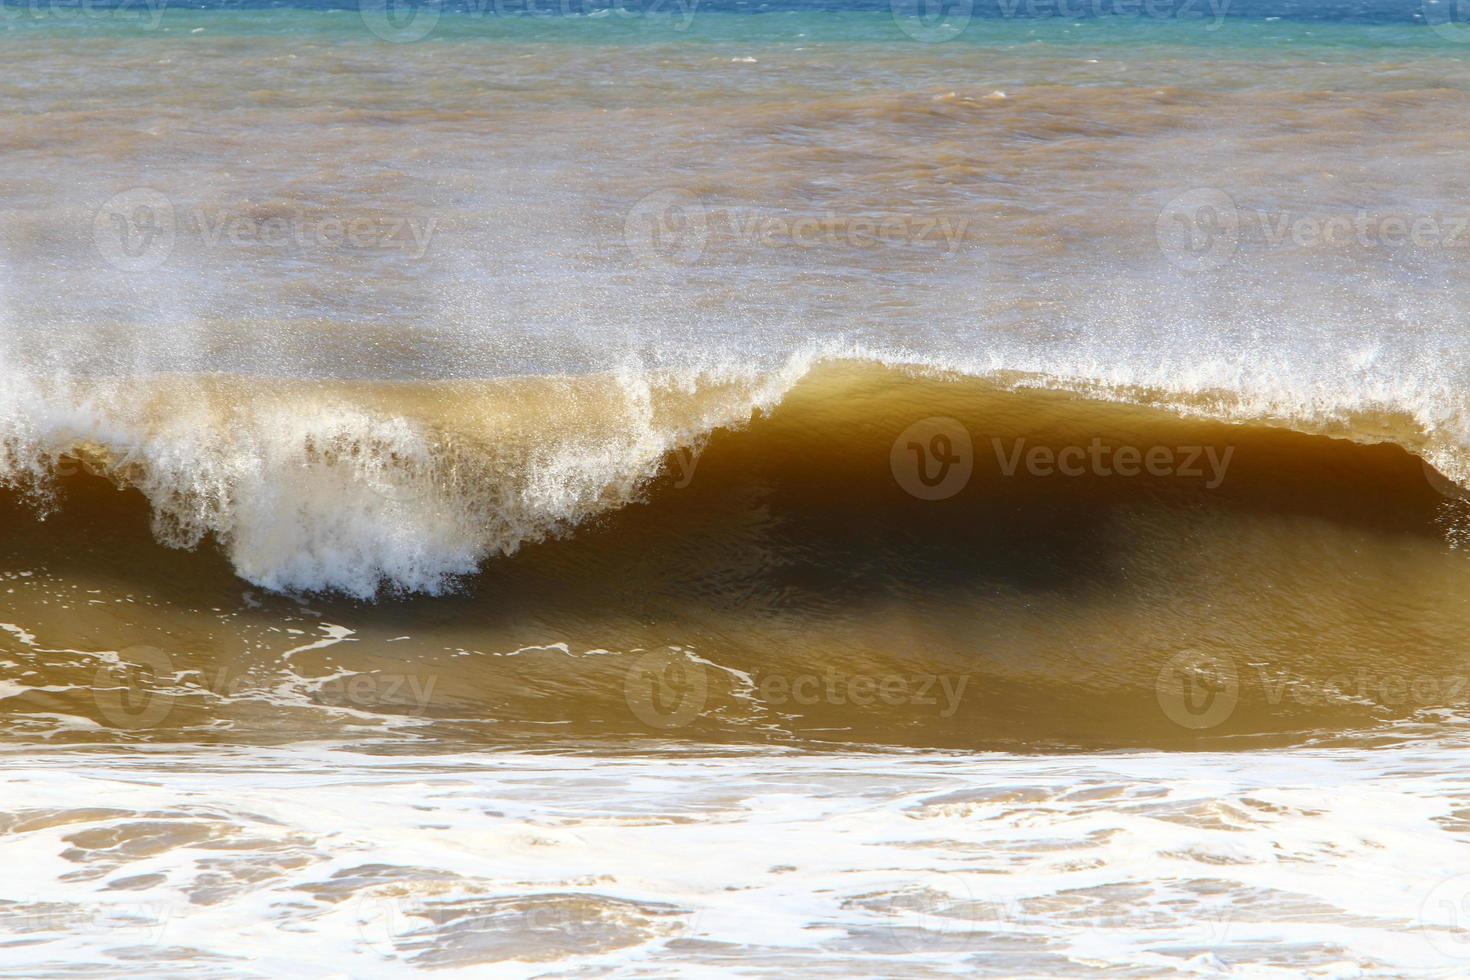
{"x": 1085, "y": 575}
{"x": 591, "y": 496}
{"x": 727, "y": 669}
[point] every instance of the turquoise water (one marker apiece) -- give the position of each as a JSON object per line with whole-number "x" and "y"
{"x": 1264, "y": 29}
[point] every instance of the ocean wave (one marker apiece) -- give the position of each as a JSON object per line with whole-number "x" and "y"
{"x": 362, "y": 488}
{"x": 1010, "y": 563}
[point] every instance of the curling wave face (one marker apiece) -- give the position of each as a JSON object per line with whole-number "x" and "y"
{"x": 365, "y": 487}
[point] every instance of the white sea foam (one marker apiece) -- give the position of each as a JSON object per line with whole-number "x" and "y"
{"x": 314, "y": 861}
{"x": 319, "y": 493}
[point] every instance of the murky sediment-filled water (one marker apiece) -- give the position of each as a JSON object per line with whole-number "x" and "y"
{"x": 693, "y": 489}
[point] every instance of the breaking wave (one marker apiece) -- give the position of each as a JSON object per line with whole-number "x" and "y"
{"x": 404, "y": 487}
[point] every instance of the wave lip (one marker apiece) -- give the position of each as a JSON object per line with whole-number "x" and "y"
{"x": 361, "y": 488}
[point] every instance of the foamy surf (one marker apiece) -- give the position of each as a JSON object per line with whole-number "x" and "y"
{"x": 356, "y": 488}
{"x": 321, "y": 861}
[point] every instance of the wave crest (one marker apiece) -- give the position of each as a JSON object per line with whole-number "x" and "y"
{"x": 361, "y": 487}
